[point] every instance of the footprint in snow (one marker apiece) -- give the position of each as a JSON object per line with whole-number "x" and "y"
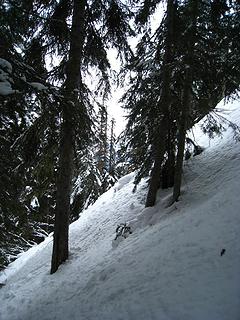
{"x": 105, "y": 274}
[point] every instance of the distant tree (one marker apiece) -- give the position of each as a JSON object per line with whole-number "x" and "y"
{"x": 112, "y": 151}
{"x": 123, "y": 158}
{"x": 102, "y": 146}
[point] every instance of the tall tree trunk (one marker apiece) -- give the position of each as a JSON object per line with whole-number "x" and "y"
{"x": 155, "y": 179}
{"x": 112, "y": 150}
{"x": 169, "y": 166}
{"x": 161, "y": 132}
{"x": 182, "y": 135}
{"x": 61, "y": 226}
{"x": 193, "y": 5}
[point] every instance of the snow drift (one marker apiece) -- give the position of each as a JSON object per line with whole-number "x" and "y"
{"x": 179, "y": 263}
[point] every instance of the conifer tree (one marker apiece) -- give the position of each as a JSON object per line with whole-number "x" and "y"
{"x": 102, "y": 146}
{"x": 193, "y": 92}
{"x": 88, "y": 45}
{"x": 47, "y": 32}
{"x": 112, "y": 151}
{"x": 60, "y": 243}
{"x": 187, "y": 93}
{"x": 164, "y": 109}
{"x": 20, "y": 102}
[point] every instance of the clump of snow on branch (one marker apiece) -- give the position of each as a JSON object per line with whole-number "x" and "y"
{"x": 5, "y": 79}
{"x": 37, "y": 85}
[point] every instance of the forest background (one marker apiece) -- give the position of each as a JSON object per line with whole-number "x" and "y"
{"x": 59, "y": 152}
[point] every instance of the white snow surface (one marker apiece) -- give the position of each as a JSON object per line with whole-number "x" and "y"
{"x": 169, "y": 268}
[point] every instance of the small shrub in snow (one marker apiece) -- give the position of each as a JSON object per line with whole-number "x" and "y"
{"x": 123, "y": 230}
{"x": 222, "y": 252}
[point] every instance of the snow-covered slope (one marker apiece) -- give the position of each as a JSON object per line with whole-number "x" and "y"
{"x": 170, "y": 267}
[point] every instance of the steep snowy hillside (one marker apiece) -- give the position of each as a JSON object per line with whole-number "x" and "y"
{"x": 180, "y": 263}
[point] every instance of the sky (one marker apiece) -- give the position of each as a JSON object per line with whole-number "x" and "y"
{"x": 113, "y": 106}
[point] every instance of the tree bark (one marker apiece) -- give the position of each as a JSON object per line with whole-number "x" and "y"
{"x": 155, "y": 179}
{"x": 182, "y": 136}
{"x": 61, "y": 225}
{"x": 169, "y": 166}
{"x": 159, "y": 143}
{"x": 193, "y": 4}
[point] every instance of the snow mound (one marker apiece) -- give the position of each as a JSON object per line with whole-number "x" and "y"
{"x": 123, "y": 181}
{"x": 179, "y": 263}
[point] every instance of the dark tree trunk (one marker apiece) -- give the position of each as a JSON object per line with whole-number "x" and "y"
{"x": 193, "y": 5}
{"x": 61, "y": 226}
{"x": 155, "y": 179}
{"x": 182, "y": 136}
{"x": 159, "y": 143}
{"x": 111, "y": 150}
{"x": 169, "y": 166}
